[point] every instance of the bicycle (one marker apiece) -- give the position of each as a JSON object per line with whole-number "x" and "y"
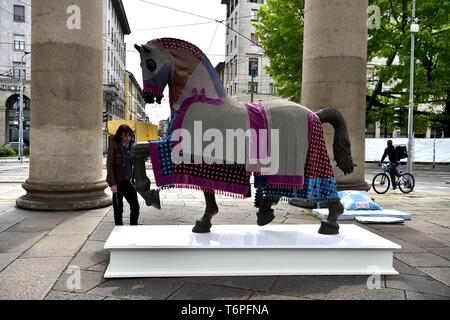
{"x": 382, "y": 182}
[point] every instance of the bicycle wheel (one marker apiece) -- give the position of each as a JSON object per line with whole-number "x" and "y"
{"x": 406, "y": 183}
{"x": 381, "y": 183}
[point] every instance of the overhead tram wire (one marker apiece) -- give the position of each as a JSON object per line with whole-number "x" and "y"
{"x": 177, "y": 10}
{"x": 181, "y": 11}
{"x": 200, "y": 16}
{"x": 213, "y": 37}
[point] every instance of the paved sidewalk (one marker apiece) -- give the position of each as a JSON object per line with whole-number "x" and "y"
{"x": 38, "y": 252}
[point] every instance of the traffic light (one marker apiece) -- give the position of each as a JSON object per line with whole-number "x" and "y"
{"x": 399, "y": 117}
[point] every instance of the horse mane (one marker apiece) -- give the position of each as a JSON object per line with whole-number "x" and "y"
{"x": 172, "y": 43}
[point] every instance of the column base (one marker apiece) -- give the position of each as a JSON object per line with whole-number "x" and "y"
{"x": 359, "y": 186}
{"x": 64, "y": 197}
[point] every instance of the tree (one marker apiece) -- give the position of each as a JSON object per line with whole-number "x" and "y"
{"x": 393, "y": 41}
{"x": 281, "y": 31}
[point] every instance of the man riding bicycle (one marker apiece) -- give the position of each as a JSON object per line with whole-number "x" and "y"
{"x": 394, "y": 160}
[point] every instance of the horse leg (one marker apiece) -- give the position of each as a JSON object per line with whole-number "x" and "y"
{"x": 330, "y": 226}
{"x": 204, "y": 224}
{"x": 265, "y": 214}
{"x": 258, "y": 197}
{"x": 139, "y": 155}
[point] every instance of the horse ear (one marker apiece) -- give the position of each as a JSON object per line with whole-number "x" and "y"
{"x": 145, "y": 48}
{"x": 138, "y": 48}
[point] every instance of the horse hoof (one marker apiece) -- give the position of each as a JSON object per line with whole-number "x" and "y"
{"x": 328, "y": 228}
{"x": 264, "y": 218}
{"x": 202, "y": 227}
{"x": 154, "y": 200}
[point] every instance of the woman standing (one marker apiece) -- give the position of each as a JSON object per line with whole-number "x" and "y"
{"x": 120, "y": 170}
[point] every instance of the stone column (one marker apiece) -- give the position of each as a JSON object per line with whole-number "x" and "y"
{"x": 334, "y": 72}
{"x": 66, "y": 115}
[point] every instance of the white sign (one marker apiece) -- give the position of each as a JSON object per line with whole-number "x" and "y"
{"x": 7, "y": 87}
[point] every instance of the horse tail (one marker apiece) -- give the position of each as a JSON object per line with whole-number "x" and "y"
{"x": 341, "y": 143}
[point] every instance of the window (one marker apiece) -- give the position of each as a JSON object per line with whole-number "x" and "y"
{"x": 232, "y": 22}
{"x": 254, "y": 38}
{"x": 235, "y": 18}
{"x": 256, "y": 1}
{"x": 228, "y": 28}
{"x": 19, "y": 43}
{"x": 231, "y": 46}
{"x": 19, "y": 13}
{"x": 235, "y": 88}
{"x": 254, "y": 14}
{"x": 19, "y": 71}
{"x": 235, "y": 41}
{"x": 227, "y": 72}
{"x": 235, "y": 66}
{"x": 231, "y": 70}
{"x": 253, "y": 87}
{"x": 253, "y": 64}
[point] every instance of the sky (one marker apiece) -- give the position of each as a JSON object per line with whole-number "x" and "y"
{"x": 148, "y": 22}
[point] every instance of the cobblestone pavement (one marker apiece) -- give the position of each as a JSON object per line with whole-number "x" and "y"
{"x": 39, "y": 249}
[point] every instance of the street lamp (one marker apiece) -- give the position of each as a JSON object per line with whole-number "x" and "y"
{"x": 414, "y": 29}
{"x": 21, "y": 107}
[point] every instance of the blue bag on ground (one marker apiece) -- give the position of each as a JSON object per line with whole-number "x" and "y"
{"x": 358, "y": 200}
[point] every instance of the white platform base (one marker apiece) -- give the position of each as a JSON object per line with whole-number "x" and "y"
{"x": 245, "y": 250}
{"x": 350, "y": 215}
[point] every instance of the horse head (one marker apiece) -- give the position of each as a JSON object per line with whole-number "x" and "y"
{"x": 179, "y": 64}
{"x": 156, "y": 71}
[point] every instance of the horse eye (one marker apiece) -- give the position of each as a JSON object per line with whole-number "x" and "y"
{"x": 151, "y": 65}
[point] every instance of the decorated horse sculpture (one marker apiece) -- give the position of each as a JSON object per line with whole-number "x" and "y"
{"x": 280, "y": 143}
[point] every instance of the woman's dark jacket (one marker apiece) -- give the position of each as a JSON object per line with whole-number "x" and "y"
{"x": 114, "y": 163}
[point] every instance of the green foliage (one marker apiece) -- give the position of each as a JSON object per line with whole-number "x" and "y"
{"x": 7, "y": 152}
{"x": 431, "y": 85}
{"x": 281, "y": 32}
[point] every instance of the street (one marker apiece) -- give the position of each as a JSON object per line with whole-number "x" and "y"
{"x": 39, "y": 250}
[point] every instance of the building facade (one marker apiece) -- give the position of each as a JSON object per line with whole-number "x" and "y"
{"x": 134, "y": 100}
{"x": 243, "y": 53}
{"x": 15, "y": 68}
{"x": 115, "y": 27}
{"x": 15, "y": 64}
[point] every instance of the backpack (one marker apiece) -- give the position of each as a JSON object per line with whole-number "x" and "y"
{"x": 401, "y": 152}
